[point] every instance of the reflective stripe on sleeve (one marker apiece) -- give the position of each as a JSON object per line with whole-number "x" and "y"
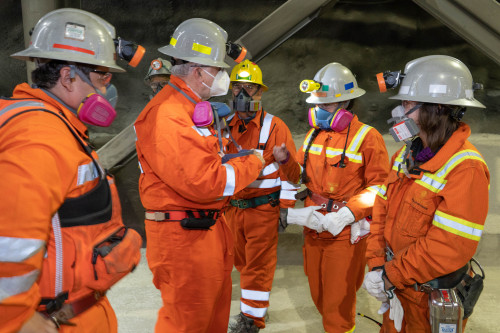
{"x": 269, "y": 169}
{"x": 203, "y": 131}
{"x": 86, "y": 173}
{"x": 11, "y": 286}
{"x": 381, "y": 190}
{"x": 230, "y": 180}
{"x": 255, "y": 295}
{"x": 256, "y": 312}
{"x": 458, "y": 226}
{"x": 265, "y": 183}
{"x": 14, "y": 249}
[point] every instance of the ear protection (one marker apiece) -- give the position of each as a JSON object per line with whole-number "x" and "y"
{"x": 96, "y": 110}
{"x": 337, "y": 121}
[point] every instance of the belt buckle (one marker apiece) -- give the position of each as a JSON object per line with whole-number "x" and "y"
{"x": 242, "y": 203}
{"x": 159, "y": 216}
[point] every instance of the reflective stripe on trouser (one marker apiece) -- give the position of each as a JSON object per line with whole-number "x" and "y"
{"x": 415, "y": 319}
{"x": 255, "y": 232}
{"x": 98, "y": 318}
{"x": 192, "y": 270}
{"x": 335, "y": 270}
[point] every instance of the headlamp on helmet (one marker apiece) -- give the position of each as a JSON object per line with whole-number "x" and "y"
{"x": 389, "y": 80}
{"x": 236, "y": 52}
{"x": 129, "y": 51}
{"x": 310, "y": 85}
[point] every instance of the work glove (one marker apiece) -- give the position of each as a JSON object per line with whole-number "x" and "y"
{"x": 335, "y": 222}
{"x": 374, "y": 285}
{"x": 283, "y": 220}
{"x": 307, "y": 217}
{"x": 396, "y": 312}
{"x": 359, "y": 230}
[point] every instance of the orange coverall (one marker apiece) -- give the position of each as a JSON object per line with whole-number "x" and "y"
{"x": 181, "y": 170}
{"x": 42, "y": 164}
{"x": 334, "y": 266}
{"x": 432, "y": 221}
{"x": 255, "y": 230}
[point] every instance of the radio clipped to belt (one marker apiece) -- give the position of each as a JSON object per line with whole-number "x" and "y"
{"x": 205, "y": 220}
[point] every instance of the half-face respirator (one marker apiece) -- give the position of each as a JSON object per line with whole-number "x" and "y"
{"x": 405, "y": 128}
{"x": 96, "y": 110}
{"x": 322, "y": 119}
{"x": 205, "y": 112}
{"x": 243, "y": 102}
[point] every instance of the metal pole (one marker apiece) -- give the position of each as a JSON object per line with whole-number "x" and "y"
{"x": 33, "y": 10}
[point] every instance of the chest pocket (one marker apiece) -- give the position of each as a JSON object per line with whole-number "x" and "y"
{"x": 417, "y": 211}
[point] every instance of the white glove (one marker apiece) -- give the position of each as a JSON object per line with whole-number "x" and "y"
{"x": 374, "y": 285}
{"x": 359, "y": 230}
{"x": 396, "y": 313}
{"x": 383, "y": 308}
{"x": 337, "y": 221}
{"x": 307, "y": 217}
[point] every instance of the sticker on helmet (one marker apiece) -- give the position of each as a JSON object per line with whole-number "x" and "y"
{"x": 349, "y": 85}
{"x": 156, "y": 64}
{"x": 74, "y": 31}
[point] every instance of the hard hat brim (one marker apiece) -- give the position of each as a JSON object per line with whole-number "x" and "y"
{"x": 332, "y": 99}
{"x": 441, "y": 100}
{"x": 30, "y": 54}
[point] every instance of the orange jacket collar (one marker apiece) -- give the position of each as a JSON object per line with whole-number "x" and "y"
{"x": 23, "y": 90}
{"x": 451, "y": 146}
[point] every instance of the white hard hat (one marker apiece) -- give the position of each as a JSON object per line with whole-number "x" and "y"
{"x": 338, "y": 84}
{"x": 158, "y": 66}
{"x": 73, "y": 35}
{"x": 200, "y": 41}
{"x": 438, "y": 79}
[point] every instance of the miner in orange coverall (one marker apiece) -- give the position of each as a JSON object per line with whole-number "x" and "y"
{"x": 344, "y": 163}
{"x": 254, "y": 213}
{"x": 61, "y": 231}
{"x": 184, "y": 184}
{"x": 429, "y": 216}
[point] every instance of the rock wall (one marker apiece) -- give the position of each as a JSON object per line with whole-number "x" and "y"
{"x": 366, "y": 36}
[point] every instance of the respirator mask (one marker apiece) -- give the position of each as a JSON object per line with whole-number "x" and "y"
{"x": 404, "y": 128}
{"x": 205, "y": 112}
{"x": 243, "y": 102}
{"x": 322, "y": 119}
{"x": 94, "y": 109}
{"x": 220, "y": 85}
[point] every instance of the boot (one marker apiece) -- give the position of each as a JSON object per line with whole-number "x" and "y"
{"x": 242, "y": 324}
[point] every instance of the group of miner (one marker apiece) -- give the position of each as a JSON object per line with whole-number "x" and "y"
{"x": 219, "y": 182}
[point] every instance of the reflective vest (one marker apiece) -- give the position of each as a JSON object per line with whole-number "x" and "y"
{"x": 79, "y": 222}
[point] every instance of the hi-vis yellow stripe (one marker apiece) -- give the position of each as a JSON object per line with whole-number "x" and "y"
{"x": 173, "y": 41}
{"x": 381, "y": 190}
{"x": 202, "y": 48}
{"x": 458, "y": 226}
{"x": 436, "y": 182}
{"x": 351, "y": 152}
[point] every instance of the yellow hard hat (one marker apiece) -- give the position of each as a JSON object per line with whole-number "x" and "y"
{"x": 247, "y": 71}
